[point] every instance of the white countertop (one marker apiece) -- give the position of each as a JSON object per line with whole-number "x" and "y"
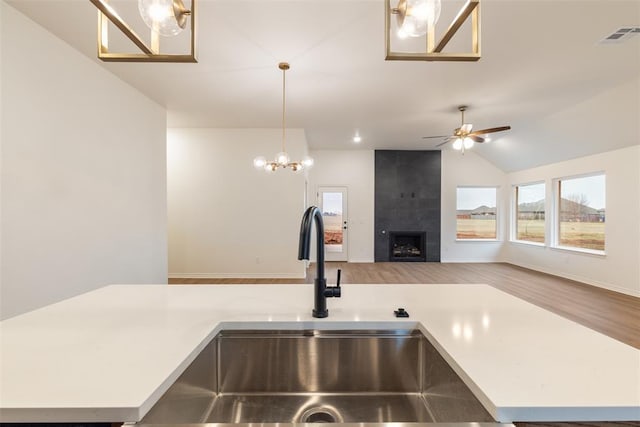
{"x": 110, "y": 354}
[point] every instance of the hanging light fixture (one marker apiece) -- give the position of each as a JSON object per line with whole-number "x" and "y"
{"x": 418, "y": 18}
{"x": 282, "y": 159}
{"x": 163, "y": 17}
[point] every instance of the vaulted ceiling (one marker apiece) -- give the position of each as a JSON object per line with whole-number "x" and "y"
{"x": 543, "y": 71}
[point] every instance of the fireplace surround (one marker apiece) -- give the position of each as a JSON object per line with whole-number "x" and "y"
{"x": 407, "y": 199}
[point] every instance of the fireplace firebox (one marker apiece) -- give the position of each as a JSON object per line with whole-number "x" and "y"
{"x": 407, "y": 246}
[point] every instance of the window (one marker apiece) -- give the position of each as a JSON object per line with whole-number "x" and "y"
{"x": 476, "y": 213}
{"x": 529, "y": 218}
{"x": 581, "y": 212}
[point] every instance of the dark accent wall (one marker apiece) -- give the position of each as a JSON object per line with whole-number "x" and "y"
{"x": 407, "y": 198}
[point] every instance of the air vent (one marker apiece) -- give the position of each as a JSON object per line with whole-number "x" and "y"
{"x": 621, "y": 34}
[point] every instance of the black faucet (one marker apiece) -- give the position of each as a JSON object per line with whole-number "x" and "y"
{"x": 321, "y": 290}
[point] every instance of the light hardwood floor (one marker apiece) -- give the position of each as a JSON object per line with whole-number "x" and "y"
{"x": 611, "y": 313}
{"x": 614, "y": 314}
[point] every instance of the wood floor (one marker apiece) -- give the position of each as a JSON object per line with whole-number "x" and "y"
{"x": 611, "y": 313}
{"x": 614, "y": 314}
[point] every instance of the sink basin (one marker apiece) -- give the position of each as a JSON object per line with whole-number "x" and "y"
{"x": 312, "y": 376}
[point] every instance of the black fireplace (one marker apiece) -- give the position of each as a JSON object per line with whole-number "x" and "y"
{"x": 405, "y": 246}
{"x": 407, "y": 198}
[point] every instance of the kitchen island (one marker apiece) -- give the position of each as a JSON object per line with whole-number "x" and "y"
{"x": 110, "y": 354}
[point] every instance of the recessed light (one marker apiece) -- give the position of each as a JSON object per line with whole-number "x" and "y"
{"x": 357, "y": 139}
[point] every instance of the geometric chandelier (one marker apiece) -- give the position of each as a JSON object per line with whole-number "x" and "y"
{"x": 165, "y": 18}
{"x": 416, "y": 20}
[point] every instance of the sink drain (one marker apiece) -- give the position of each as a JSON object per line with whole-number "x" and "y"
{"x": 321, "y": 415}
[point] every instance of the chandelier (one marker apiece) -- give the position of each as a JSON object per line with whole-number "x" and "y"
{"x": 282, "y": 159}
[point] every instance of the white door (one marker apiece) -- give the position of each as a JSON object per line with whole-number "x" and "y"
{"x": 332, "y": 202}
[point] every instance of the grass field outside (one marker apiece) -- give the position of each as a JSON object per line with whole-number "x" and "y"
{"x": 476, "y": 229}
{"x": 530, "y": 230}
{"x": 585, "y": 235}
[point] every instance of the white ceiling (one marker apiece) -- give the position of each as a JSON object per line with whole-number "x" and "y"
{"x": 541, "y": 67}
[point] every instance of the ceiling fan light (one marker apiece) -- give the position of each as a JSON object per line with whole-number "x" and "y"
{"x": 457, "y": 144}
{"x": 468, "y": 143}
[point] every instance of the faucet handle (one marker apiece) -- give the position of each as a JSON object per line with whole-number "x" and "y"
{"x": 334, "y": 291}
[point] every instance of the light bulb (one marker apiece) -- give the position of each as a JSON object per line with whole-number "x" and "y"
{"x": 307, "y": 162}
{"x": 457, "y": 144}
{"x": 259, "y": 162}
{"x": 419, "y": 16}
{"x": 158, "y": 12}
{"x": 468, "y": 142}
{"x": 270, "y": 167}
{"x": 282, "y": 158}
{"x": 297, "y": 167}
{"x": 160, "y": 16}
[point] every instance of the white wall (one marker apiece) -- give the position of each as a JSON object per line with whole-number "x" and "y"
{"x": 83, "y": 173}
{"x": 618, "y": 269}
{"x": 227, "y": 219}
{"x": 1, "y": 136}
{"x": 469, "y": 170}
{"x": 354, "y": 169}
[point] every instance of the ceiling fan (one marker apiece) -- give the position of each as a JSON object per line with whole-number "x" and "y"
{"x": 464, "y": 137}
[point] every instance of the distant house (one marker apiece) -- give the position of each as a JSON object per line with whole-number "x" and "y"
{"x": 481, "y": 212}
{"x": 531, "y": 210}
{"x": 463, "y": 214}
{"x": 571, "y": 211}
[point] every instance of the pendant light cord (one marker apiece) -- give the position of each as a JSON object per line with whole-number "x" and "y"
{"x": 283, "y": 108}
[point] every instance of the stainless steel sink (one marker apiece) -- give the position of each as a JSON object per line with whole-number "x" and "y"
{"x": 318, "y": 376}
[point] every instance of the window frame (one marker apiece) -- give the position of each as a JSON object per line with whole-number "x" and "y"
{"x": 497, "y": 220}
{"x": 555, "y": 227}
{"x": 514, "y": 215}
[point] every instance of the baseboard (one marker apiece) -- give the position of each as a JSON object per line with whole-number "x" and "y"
{"x": 581, "y": 279}
{"x": 236, "y": 276}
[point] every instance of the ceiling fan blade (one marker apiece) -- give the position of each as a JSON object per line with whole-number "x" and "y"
{"x": 476, "y": 138}
{"x": 466, "y": 128}
{"x": 442, "y": 143}
{"x": 441, "y": 136}
{"x": 490, "y": 130}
